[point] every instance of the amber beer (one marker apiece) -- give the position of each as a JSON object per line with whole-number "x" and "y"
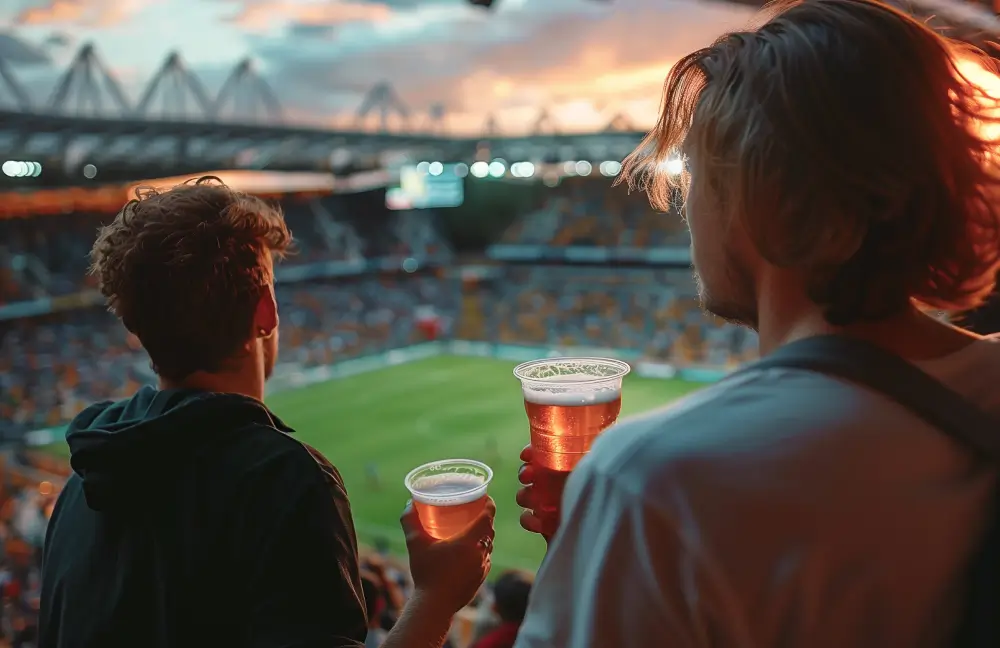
{"x": 449, "y": 494}
{"x": 569, "y": 402}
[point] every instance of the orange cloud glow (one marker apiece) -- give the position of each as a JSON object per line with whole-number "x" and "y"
{"x": 90, "y": 13}
{"x": 263, "y": 15}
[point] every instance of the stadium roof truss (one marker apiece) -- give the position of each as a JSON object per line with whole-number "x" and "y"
{"x": 207, "y": 144}
{"x": 176, "y": 123}
{"x": 179, "y": 126}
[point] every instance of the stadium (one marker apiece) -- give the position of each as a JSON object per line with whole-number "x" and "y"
{"x": 426, "y": 267}
{"x": 403, "y": 356}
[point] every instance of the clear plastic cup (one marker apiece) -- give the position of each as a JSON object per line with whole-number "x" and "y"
{"x": 569, "y": 402}
{"x": 449, "y": 494}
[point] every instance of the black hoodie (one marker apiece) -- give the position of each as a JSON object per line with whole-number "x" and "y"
{"x": 194, "y": 519}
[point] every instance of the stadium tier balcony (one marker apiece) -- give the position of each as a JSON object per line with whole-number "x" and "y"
{"x": 47, "y": 256}
{"x": 323, "y": 322}
{"x": 587, "y": 212}
{"x": 652, "y": 312}
{"x": 52, "y": 366}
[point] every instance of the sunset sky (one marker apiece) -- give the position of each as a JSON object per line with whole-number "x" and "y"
{"x": 586, "y": 60}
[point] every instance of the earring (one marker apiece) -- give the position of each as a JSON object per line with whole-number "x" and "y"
{"x": 262, "y": 333}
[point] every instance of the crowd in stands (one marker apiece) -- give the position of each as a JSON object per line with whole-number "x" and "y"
{"x": 491, "y": 620}
{"x": 53, "y": 365}
{"x": 355, "y": 316}
{"x": 47, "y": 256}
{"x": 24, "y": 511}
{"x": 649, "y": 311}
{"x": 583, "y": 212}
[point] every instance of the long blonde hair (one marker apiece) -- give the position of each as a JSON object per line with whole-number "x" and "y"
{"x": 849, "y": 141}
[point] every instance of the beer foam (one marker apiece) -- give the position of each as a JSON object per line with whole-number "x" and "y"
{"x": 578, "y": 395}
{"x": 571, "y": 381}
{"x": 447, "y": 484}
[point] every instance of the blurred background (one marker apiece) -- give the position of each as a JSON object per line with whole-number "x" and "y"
{"x": 447, "y": 168}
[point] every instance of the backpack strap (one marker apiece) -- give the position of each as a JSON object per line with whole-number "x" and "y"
{"x": 867, "y": 365}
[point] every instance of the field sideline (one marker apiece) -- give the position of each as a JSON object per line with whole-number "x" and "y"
{"x": 396, "y": 418}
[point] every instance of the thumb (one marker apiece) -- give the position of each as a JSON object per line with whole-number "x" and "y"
{"x": 482, "y": 526}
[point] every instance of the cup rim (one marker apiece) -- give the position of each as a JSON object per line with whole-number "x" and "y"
{"x": 623, "y": 370}
{"x": 444, "y": 462}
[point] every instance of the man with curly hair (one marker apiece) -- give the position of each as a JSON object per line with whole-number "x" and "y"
{"x": 193, "y": 517}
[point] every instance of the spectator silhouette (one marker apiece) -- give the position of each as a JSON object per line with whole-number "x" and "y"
{"x": 510, "y": 602}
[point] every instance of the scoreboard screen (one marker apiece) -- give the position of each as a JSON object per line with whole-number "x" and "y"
{"x": 427, "y": 186}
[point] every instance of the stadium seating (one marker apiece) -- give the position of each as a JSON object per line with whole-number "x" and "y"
{"x": 652, "y": 312}
{"x": 583, "y": 212}
{"x": 52, "y": 366}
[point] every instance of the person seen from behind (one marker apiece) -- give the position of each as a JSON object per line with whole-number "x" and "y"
{"x": 375, "y": 602}
{"x": 841, "y": 179}
{"x": 510, "y": 602}
{"x": 193, "y": 517}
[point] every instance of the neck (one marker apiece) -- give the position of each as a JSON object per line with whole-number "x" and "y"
{"x": 246, "y": 384}
{"x": 786, "y": 315}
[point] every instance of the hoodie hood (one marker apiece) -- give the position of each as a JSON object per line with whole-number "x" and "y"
{"x": 115, "y": 447}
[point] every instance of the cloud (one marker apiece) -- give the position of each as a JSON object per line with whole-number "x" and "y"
{"x": 263, "y": 15}
{"x": 88, "y": 13}
{"x": 585, "y": 60}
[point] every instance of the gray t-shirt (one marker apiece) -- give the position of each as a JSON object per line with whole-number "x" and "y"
{"x": 778, "y": 508}
{"x": 375, "y": 638}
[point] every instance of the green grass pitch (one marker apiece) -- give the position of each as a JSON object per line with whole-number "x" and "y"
{"x": 440, "y": 408}
{"x": 399, "y": 417}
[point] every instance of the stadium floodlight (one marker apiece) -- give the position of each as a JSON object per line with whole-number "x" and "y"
{"x": 497, "y": 168}
{"x": 610, "y": 168}
{"x": 19, "y": 169}
{"x": 480, "y": 169}
{"x": 461, "y": 169}
{"x": 435, "y": 168}
{"x": 522, "y": 169}
{"x": 584, "y": 168}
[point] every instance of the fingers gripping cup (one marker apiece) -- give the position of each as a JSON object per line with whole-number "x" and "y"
{"x": 449, "y": 495}
{"x": 569, "y": 402}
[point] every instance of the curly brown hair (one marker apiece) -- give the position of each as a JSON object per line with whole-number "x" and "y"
{"x": 185, "y": 268}
{"x": 852, "y": 144}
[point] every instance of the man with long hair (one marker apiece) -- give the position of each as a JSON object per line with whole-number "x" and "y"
{"x": 193, "y": 517}
{"x": 841, "y": 179}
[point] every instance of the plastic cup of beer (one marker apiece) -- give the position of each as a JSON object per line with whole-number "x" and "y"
{"x": 569, "y": 402}
{"x": 449, "y": 494}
